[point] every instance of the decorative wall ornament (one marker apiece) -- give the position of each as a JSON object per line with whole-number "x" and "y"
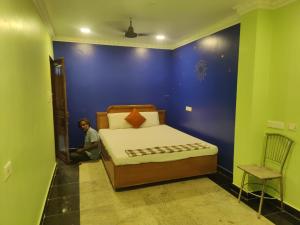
{"x": 201, "y": 69}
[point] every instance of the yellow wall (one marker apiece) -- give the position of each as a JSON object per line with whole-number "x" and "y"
{"x": 26, "y": 113}
{"x": 268, "y": 89}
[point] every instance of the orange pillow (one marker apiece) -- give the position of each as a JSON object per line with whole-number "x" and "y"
{"x": 135, "y": 118}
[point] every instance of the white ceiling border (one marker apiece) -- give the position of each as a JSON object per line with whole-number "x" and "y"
{"x": 43, "y": 12}
{"x": 242, "y": 9}
{"x": 279, "y": 3}
{"x": 113, "y": 43}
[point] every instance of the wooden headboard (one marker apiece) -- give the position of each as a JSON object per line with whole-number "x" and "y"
{"x": 102, "y": 119}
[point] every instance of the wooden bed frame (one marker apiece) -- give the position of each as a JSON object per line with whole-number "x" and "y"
{"x": 137, "y": 174}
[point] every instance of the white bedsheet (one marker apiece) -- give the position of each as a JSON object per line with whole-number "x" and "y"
{"x": 118, "y": 140}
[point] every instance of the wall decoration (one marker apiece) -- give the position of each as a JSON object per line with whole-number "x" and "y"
{"x": 201, "y": 68}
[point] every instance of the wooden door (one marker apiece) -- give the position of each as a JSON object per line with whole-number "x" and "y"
{"x": 60, "y": 111}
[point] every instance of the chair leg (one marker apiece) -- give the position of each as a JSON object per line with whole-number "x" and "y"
{"x": 281, "y": 192}
{"x": 242, "y": 186}
{"x": 261, "y": 198}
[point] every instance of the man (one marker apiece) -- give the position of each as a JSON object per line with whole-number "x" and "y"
{"x": 90, "y": 151}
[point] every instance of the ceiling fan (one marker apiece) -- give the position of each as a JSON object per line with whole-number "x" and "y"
{"x": 130, "y": 31}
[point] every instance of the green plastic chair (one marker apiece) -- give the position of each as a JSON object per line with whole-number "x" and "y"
{"x": 277, "y": 148}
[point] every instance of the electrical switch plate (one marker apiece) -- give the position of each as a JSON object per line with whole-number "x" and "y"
{"x": 276, "y": 124}
{"x": 7, "y": 169}
{"x": 292, "y": 126}
{"x": 188, "y": 108}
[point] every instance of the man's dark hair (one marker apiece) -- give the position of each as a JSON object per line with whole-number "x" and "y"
{"x": 84, "y": 120}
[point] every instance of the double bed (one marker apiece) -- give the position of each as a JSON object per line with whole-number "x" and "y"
{"x": 152, "y": 153}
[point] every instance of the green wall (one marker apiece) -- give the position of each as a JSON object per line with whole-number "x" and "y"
{"x": 26, "y": 113}
{"x": 268, "y": 88}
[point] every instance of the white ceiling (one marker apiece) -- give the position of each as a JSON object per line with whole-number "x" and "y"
{"x": 181, "y": 21}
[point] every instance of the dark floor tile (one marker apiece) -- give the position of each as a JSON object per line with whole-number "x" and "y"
{"x": 226, "y": 183}
{"x": 67, "y": 170}
{"x": 63, "y": 219}
{"x": 64, "y": 190}
{"x": 65, "y": 178}
{"x": 245, "y": 196}
{"x": 283, "y": 218}
{"x": 267, "y": 208}
{"x": 62, "y": 207}
{"x": 220, "y": 178}
{"x": 65, "y": 204}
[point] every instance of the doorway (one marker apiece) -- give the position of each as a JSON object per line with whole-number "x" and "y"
{"x": 60, "y": 111}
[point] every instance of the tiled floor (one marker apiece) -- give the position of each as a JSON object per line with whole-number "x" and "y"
{"x": 270, "y": 210}
{"x": 62, "y": 207}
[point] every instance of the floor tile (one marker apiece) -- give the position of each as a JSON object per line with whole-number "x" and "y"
{"x": 65, "y": 179}
{"x": 69, "y": 170}
{"x": 63, "y": 219}
{"x": 267, "y": 208}
{"x": 283, "y": 218}
{"x": 65, "y": 204}
{"x": 220, "y": 178}
{"x": 58, "y": 191}
{"x": 223, "y": 181}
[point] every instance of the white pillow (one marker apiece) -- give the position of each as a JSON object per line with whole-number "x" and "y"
{"x": 117, "y": 120}
{"x": 152, "y": 119}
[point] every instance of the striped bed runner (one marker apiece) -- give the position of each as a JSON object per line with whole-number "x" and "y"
{"x": 165, "y": 149}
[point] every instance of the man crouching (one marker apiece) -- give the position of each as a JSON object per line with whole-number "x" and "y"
{"x": 90, "y": 151}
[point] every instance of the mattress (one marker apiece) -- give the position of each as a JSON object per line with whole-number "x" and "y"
{"x": 116, "y": 141}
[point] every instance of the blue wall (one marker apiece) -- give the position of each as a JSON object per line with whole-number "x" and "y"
{"x": 98, "y": 76}
{"x": 204, "y": 76}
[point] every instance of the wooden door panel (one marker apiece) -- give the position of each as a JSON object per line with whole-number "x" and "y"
{"x": 60, "y": 111}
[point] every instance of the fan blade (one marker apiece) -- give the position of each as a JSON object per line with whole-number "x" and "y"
{"x": 117, "y": 25}
{"x": 143, "y": 34}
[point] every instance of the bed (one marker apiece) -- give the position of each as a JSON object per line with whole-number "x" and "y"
{"x": 151, "y": 154}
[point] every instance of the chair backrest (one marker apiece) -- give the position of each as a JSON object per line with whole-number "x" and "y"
{"x": 277, "y": 149}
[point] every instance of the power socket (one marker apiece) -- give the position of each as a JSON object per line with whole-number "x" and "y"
{"x": 292, "y": 126}
{"x": 188, "y": 108}
{"x": 276, "y": 124}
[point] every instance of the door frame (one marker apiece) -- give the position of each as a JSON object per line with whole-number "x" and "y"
{"x": 64, "y": 156}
